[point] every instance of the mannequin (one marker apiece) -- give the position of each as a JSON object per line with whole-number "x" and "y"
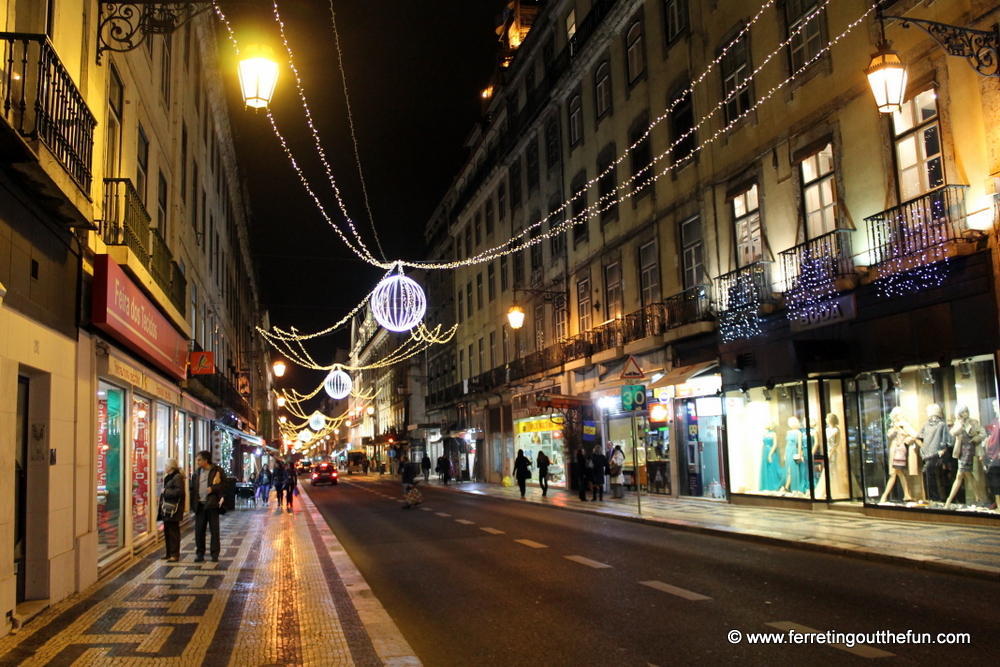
{"x": 837, "y": 463}
{"x": 933, "y": 437}
{"x": 795, "y": 458}
{"x": 770, "y": 463}
{"x": 967, "y": 433}
{"x": 899, "y": 438}
{"x": 819, "y": 461}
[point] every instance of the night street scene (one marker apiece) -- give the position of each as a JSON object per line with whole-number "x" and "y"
{"x": 499, "y": 333}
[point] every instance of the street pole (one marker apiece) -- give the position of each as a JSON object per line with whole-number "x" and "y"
{"x": 635, "y": 465}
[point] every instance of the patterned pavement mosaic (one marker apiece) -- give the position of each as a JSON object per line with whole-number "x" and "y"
{"x": 284, "y": 592}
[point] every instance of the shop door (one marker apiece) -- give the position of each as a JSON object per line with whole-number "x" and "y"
{"x": 21, "y": 487}
{"x": 700, "y": 421}
{"x": 870, "y": 404}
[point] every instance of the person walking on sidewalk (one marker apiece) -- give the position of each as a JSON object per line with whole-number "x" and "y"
{"x": 425, "y": 467}
{"x": 522, "y": 470}
{"x": 291, "y": 484}
{"x": 444, "y": 468}
{"x": 543, "y": 471}
{"x": 264, "y": 485}
{"x": 172, "y": 509}
{"x": 278, "y": 481}
{"x": 599, "y": 468}
{"x": 616, "y": 469}
{"x": 582, "y": 473}
{"x": 208, "y": 487}
{"x": 409, "y": 474}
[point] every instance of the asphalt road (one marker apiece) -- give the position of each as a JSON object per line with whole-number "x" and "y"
{"x": 482, "y": 581}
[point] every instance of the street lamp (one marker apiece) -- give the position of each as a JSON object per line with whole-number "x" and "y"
{"x": 887, "y": 77}
{"x": 279, "y": 368}
{"x": 515, "y": 316}
{"x": 371, "y": 410}
{"x": 258, "y": 75}
{"x": 282, "y": 419}
{"x": 280, "y": 401}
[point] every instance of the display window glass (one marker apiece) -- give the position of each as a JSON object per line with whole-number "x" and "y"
{"x": 141, "y": 419}
{"x": 652, "y": 448}
{"x": 110, "y": 499}
{"x": 163, "y": 421}
{"x": 541, "y": 434}
{"x": 699, "y": 435}
{"x": 930, "y": 437}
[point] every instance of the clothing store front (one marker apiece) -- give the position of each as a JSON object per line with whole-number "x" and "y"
{"x": 541, "y": 434}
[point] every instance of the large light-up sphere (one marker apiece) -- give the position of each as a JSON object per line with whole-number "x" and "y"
{"x": 398, "y": 303}
{"x": 317, "y": 421}
{"x": 338, "y": 384}
{"x": 305, "y": 435}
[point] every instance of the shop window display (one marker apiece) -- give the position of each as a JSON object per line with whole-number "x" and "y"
{"x": 110, "y": 433}
{"x": 699, "y": 426}
{"x": 541, "y": 434}
{"x": 163, "y": 419}
{"x": 140, "y": 465}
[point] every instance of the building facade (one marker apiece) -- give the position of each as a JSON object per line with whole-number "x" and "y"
{"x": 806, "y": 285}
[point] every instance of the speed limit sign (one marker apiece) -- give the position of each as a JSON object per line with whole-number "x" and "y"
{"x": 633, "y": 397}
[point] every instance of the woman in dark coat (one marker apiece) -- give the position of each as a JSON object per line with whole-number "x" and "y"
{"x": 522, "y": 470}
{"x": 582, "y": 474}
{"x": 543, "y": 471}
{"x": 278, "y": 480}
{"x": 172, "y": 498}
{"x": 291, "y": 482}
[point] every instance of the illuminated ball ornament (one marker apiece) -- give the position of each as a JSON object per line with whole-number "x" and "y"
{"x": 338, "y": 384}
{"x": 398, "y": 303}
{"x": 305, "y": 435}
{"x": 317, "y": 421}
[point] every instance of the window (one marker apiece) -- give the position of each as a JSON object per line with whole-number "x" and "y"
{"x": 682, "y": 126}
{"x": 504, "y": 281}
{"x": 805, "y": 27}
{"x": 575, "y": 121}
{"x": 529, "y": 81}
{"x": 515, "y": 183}
{"x": 649, "y": 274}
{"x": 491, "y": 282}
{"x": 570, "y": 24}
{"x": 552, "y": 143}
{"x": 636, "y": 61}
{"x": 518, "y": 268}
{"x": 613, "y": 290}
{"x": 472, "y": 370}
{"x": 113, "y": 135}
{"x": 461, "y": 364}
{"x": 489, "y": 217}
{"x": 184, "y": 161}
{"x": 531, "y": 161}
{"x": 918, "y": 146}
{"x": 493, "y": 349}
{"x": 692, "y": 253}
{"x": 506, "y": 343}
{"x": 537, "y": 254}
{"x": 468, "y": 299}
{"x": 539, "y": 326}
{"x": 602, "y": 89}
{"x": 819, "y": 192}
{"x": 461, "y": 306}
{"x": 501, "y": 202}
{"x": 468, "y": 241}
{"x": 479, "y": 290}
{"x": 746, "y": 217}
{"x": 165, "y": 63}
{"x": 482, "y": 356}
{"x": 643, "y": 173}
{"x": 583, "y": 313}
{"x": 581, "y": 221}
{"x": 558, "y": 241}
{"x": 161, "y": 204}
{"x": 142, "y": 164}
{"x": 607, "y": 185}
{"x": 478, "y": 227}
{"x": 675, "y": 18}
{"x": 736, "y": 79}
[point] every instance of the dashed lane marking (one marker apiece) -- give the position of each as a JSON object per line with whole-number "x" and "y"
{"x": 492, "y": 531}
{"x": 465, "y": 521}
{"x": 442, "y": 514}
{"x": 862, "y": 650}
{"x": 586, "y": 561}
{"x": 427, "y": 509}
{"x": 532, "y": 544}
{"x": 674, "y": 590}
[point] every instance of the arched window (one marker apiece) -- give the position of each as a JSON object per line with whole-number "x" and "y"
{"x": 575, "y": 120}
{"x": 602, "y": 88}
{"x": 633, "y": 46}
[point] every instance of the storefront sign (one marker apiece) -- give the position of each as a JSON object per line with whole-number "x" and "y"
{"x": 202, "y": 363}
{"x": 841, "y": 309}
{"x": 536, "y": 426}
{"x": 135, "y": 377}
{"x": 658, "y": 412}
{"x": 122, "y": 310}
{"x": 589, "y": 431}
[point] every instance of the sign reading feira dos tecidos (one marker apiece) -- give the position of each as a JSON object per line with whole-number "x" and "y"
{"x": 633, "y": 397}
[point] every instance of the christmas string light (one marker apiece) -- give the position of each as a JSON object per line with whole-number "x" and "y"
{"x": 809, "y": 295}
{"x": 741, "y": 317}
{"x": 918, "y": 259}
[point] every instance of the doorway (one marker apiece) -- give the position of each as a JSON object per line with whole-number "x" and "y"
{"x": 21, "y": 488}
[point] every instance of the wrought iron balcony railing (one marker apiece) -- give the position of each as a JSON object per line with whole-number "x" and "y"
{"x": 692, "y": 305}
{"x": 826, "y": 258}
{"x": 744, "y": 289}
{"x": 908, "y": 231}
{"x": 648, "y": 321}
{"x": 40, "y": 101}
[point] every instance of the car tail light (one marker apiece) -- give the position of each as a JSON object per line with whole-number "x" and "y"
{"x": 315, "y": 475}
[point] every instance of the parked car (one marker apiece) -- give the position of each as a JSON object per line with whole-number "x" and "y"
{"x": 324, "y": 473}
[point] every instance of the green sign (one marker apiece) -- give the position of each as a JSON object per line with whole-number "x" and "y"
{"x": 633, "y": 397}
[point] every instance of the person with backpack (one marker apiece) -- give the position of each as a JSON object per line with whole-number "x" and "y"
{"x": 291, "y": 484}
{"x": 543, "y": 471}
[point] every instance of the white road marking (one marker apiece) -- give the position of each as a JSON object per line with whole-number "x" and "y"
{"x": 442, "y": 514}
{"x": 673, "y": 590}
{"x": 533, "y": 545}
{"x": 586, "y": 561}
{"x": 493, "y": 531}
{"x": 427, "y": 509}
{"x": 466, "y": 522}
{"x": 862, "y": 650}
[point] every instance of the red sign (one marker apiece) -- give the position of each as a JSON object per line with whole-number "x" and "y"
{"x": 202, "y": 363}
{"x": 122, "y": 310}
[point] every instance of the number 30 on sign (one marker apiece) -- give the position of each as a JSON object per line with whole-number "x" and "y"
{"x": 633, "y": 397}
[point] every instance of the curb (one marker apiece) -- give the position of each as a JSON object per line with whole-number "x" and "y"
{"x": 930, "y": 563}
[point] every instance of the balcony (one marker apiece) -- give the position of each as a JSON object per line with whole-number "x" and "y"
{"x": 916, "y": 232}
{"x": 826, "y": 259}
{"x": 745, "y": 289}
{"x": 222, "y": 391}
{"x": 127, "y": 223}
{"x": 41, "y": 102}
{"x": 691, "y": 305}
{"x": 646, "y": 322}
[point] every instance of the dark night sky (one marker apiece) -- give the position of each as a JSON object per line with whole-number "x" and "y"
{"x": 414, "y": 70}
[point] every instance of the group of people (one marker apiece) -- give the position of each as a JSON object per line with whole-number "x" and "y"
{"x": 208, "y": 489}
{"x": 592, "y": 471}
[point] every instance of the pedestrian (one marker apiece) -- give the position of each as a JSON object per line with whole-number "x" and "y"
{"x": 364, "y": 465}
{"x": 425, "y": 467}
{"x": 291, "y": 484}
{"x": 582, "y": 473}
{"x": 522, "y": 470}
{"x": 278, "y": 481}
{"x": 264, "y": 485}
{"x": 444, "y": 467}
{"x": 616, "y": 468}
{"x": 409, "y": 475}
{"x": 599, "y": 468}
{"x": 543, "y": 471}
{"x": 171, "y": 509}
{"x": 208, "y": 488}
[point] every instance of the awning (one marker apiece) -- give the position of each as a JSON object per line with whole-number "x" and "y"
{"x": 561, "y": 401}
{"x": 682, "y": 374}
{"x": 236, "y": 433}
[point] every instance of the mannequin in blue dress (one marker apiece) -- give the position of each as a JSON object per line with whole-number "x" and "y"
{"x": 770, "y": 461}
{"x": 795, "y": 460}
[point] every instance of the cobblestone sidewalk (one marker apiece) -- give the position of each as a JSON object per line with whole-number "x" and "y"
{"x": 284, "y": 592}
{"x": 965, "y": 549}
